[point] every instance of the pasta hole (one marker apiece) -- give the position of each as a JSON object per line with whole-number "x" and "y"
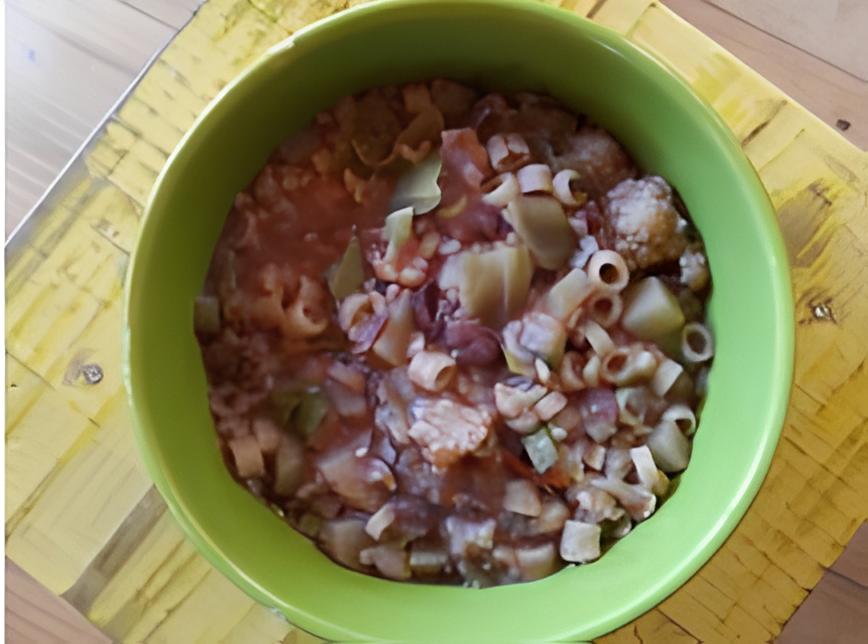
{"x": 696, "y": 341}
{"x": 616, "y": 363}
{"x": 609, "y": 274}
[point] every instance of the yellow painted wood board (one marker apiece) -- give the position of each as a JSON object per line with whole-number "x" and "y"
{"x": 82, "y": 516}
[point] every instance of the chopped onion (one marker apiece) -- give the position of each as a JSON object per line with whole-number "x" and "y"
{"x": 541, "y": 449}
{"x": 380, "y": 520}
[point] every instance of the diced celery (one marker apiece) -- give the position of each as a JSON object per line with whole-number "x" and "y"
{"x": 312, "y": 408}
{"x": 206, "y": 315}
{"x": 541, "y": 223}
{"x": 288, "y": 466}
{"x": 349, "y": 273}
{"x": 399, "y": 228}
{"x": 417, "y": 188}
{"x": 516, "y": 366}
{"x": 283, "y": 402}
{"x": 541, "y": 449}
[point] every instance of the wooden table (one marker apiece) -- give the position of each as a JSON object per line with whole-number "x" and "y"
{"x": 63, "y": 285}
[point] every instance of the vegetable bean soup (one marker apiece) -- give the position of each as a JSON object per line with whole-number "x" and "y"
{"x": 456, "y": 337}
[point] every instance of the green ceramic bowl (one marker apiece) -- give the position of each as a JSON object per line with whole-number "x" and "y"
{"x": 505, "y": 45}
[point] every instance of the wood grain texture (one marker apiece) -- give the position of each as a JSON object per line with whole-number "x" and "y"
{"x": 84, "y": 519}
{"x": 28, "y": 623}
{"x": 67, "y": 63}
{"x": 829, "y": 92}
{"x": 809, "y": 23}
{"x": 837, "y": 609}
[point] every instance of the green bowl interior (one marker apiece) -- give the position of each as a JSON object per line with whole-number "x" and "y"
{"x": 512, "y": 45}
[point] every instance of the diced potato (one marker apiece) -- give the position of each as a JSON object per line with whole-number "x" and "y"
{"x": 580, "y": 542}
{"x": 568, "y": 293}
{"x": 426, "y": 560}
{"x": 494, "y": 284}
{"x": 390, "y": 559}
{"x": 392, "y": 344}
{"x": 536, "y": 562}
{"x": 541, "y": 223}
{"x": 669, "y": 446}
{"x": 522, "y": 497}
{"x": 344, "y": 539}
{"x": 651, "y": 311}
{"x": 349, "y": 273}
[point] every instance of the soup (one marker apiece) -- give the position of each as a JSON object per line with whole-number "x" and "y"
{"x": 456, "y": 337}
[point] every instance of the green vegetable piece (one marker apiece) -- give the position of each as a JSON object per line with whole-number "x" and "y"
{"x": 541, "y": 223}
{"x": 515, "y": 365}
{"x": 417, "y": 188}
{"x": 347, "y": 275}
{"x": 310, "y": 412}
{"x": 541, "y": 449}
{"x": 399, "y": 228}
{"x": 283, "y": 403}
{"x": 206, "y": 315}
{"x": 493, "y": 285}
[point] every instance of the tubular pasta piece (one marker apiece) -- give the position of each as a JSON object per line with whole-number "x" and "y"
{"x": 431, "y": 370}
{"x": 570, "y": 372}
{"x": 248, "y": 456}
{"x": 665, "y": 376}
{"x": 507, "y": 151}
{"x": 608, "y": 270}
{"x": 562, "y": 185}
{"x": 597, "y": 337}
{"x": 696, "y": 342}
{"x": 591, "y": 371}
{"x": 536, "y": 177}
{"x": 505, "y": 189}
{"x": 683, "y": 417}
{"x": 606, "y": 308}
{"x": 305, "y": 318}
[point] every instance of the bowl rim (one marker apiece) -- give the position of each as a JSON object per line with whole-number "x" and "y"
{"x": 784, "y": 318}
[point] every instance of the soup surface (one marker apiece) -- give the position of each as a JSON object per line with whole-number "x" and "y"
{"x": 456, "y": 337}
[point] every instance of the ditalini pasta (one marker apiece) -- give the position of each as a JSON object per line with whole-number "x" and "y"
{"x": 456, "y": 337}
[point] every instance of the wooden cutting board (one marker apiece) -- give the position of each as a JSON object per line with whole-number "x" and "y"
{"x": 82, "y": 516}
